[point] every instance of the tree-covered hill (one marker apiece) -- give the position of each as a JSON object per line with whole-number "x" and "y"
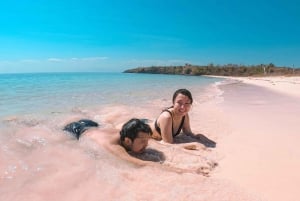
{"x": 225, "y": 70}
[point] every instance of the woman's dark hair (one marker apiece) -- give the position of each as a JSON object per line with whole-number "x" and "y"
{"x": 131, "y": 129}
{"x": 183, "y": 92}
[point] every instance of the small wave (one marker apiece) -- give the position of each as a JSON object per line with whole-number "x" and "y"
{"x": 23, "y": 120}
{"x": 227, "y": 82}
{"x": 211, "y": 93}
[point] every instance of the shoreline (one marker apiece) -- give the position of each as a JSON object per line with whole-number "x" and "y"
{"x": 260, "y": 143}
{"x": 289, "y": 85}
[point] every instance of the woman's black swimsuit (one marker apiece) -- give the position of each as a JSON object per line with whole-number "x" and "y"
{"x": 157, "y": 128}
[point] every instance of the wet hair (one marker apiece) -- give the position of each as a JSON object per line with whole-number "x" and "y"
{"x": 183, "y": 92}
{"x": 131, "y": 129}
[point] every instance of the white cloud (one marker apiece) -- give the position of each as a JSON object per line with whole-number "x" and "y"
{"x": 55, "y": 60}
{"x": 52, "y": 59}
{"x": 75, "y": 59}
{"x": 54, "y": 64}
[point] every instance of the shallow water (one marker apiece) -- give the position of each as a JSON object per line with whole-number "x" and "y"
{"x": 62, "y": 92}
{"x": 41, "y": 162}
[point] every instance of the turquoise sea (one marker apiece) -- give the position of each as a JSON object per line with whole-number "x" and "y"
{"x": 61, "y": 92}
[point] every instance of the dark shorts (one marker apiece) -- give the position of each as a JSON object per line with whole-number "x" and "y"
{"x": 78, "y": 127}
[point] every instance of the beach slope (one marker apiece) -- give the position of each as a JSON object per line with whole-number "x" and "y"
{"x": 261, "y": 152}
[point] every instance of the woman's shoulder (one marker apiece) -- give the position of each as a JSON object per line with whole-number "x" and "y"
{"x": 167, "y": 113}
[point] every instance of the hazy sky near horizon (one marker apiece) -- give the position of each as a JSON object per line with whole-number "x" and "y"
{"x": 114, "y": 35}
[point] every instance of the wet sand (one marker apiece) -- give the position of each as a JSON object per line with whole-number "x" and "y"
{"x": 261, "y": 152}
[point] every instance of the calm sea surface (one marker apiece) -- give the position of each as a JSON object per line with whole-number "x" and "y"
{"x": 61, "y": 92}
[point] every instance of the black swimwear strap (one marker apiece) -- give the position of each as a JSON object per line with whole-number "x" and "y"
{"x": 179, "y": 129}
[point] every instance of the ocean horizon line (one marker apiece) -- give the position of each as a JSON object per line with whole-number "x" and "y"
{"x": 58, "y": 72}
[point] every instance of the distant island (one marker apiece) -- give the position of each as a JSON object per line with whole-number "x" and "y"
{"x": 219, "y": 70}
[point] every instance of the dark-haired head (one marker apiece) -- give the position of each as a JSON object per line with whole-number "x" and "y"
{"x": 134, "y": 135}
{"x": 183, "y": 92}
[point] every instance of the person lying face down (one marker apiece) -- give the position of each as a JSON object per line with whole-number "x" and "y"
{"x": 134, "y": 135}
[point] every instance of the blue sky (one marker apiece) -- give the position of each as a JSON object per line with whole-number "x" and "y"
{"x": 114, "y": 35}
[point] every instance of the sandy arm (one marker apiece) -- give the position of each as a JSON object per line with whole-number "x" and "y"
{"x": 109, "y": 139}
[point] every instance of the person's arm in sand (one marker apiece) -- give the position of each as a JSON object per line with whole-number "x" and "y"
{"x": 200, "y": 137}
{"x": 115, "y": 147}
{"x": 186, "y": 129}
{"x": 110, "y": 140}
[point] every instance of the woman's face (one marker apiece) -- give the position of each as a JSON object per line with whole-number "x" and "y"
{"x": 140, "y": 142}
{"x": 182, "y": 104}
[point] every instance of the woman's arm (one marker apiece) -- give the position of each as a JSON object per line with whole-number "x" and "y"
{"x": 165, "y": 124}
{"x": 186, "y": 126}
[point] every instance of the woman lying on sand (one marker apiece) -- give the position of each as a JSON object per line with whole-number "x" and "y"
{"x": 175, "y": 118}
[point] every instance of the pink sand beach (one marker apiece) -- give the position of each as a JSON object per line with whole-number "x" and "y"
{"x": 260, "y": 145}
{"x": 254, "y": 122}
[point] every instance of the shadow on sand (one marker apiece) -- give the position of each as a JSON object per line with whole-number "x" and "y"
{"x": 200, "y": 138}
{"x": 150, "y": 155}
